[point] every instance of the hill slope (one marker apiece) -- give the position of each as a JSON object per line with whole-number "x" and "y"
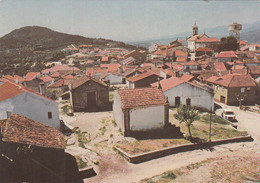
{"x": 35, "y": 45}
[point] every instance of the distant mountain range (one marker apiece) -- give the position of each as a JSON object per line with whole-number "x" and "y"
{"x": 249, "y": 33}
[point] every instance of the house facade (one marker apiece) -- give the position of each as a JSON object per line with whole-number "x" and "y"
{"x": 180, "y": 92}
{"x": 140, "y": 109}
{"x": 88, "y": 94}
{"x": 230, "y": 88}
{"x": 16, "y": 98}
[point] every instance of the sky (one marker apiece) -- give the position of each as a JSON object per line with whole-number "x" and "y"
{"x": 125, "y": 20}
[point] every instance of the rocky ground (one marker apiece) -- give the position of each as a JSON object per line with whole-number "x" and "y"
{"x": 101, "y": 134}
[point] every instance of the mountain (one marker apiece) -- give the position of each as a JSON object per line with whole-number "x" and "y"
{"x": 34, "y": 45}
{"x": 249, "y": 33}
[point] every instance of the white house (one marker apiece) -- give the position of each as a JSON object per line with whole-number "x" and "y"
{"x": 140, "y": 109}
{"x": 16, "y": 98}
{"x": 114, "y": 78}
{"x": 186, "y": 93}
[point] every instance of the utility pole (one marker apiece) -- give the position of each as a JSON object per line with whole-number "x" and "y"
{"x": 210, "y": 116}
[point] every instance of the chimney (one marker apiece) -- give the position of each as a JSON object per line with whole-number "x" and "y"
{"x": 234, "y": 65}
{"x": 41, "y": 89}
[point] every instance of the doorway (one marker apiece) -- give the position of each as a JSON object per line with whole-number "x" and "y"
{"x": 222, "y": 99}
{"x": 177, "y": 101}
{"x": 188, "y": 102}
{"x": 91, "y": 99}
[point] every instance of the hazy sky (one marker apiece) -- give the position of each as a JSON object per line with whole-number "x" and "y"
{"x": 125, "y": 20}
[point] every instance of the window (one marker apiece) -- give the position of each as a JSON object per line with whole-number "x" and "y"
{"x": 8, "y": 113}
{"x": 242, "y": 90}
{"x": 49, "y": 115}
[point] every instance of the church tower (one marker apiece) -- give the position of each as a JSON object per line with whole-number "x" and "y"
{"x": 195, "y": 30}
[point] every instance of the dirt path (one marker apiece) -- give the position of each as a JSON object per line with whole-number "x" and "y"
{"x": 135, "y": 172}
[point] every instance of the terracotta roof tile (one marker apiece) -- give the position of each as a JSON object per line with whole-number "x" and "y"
{"x": 46, "y": 79}
{"x": 186, "y": 77}
{"x": 220, "y": 66}
{"x": 207, "y": 40}
{"x": 11, "y": 89}
{"x": 227, "y": 54}
{"x": 31, "y": 75}
{"x": 236, "y": 80}
{"x": 80, "y": 81}
{"x": 142, "y": 76}
{"x": 204, "y": 49}
{"x": 167, "y": 84}
{"x": 23, "y": 130}
{"x": 137, "y": 97}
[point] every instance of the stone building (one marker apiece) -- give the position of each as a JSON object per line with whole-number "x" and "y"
{"x": 88, "y": 94}
{"x": 231, "y": 87}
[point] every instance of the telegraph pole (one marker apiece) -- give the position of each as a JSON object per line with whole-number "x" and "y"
{"x": 210, "y": 124}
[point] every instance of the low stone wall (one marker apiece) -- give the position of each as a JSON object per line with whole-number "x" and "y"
{"x": 139, "y": 158}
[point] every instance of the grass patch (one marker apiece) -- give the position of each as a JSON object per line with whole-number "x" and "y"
{"x": 81, "y": 136}
{"x": 215, "y": 119}
{"x": 102, "y": 130}
{"x": 141, "y": 146}
{"x": 81, "y": 164}
{"x": 66, "y": 109}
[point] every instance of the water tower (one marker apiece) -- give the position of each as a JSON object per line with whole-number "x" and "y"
{"x": 234, "y": 30}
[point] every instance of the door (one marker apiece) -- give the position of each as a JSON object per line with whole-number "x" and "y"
{"x": 177, "y": 101}
{"x": 91, "y": 99}
{"x": 222, "y": 99}
{"x": 188, "y": 102}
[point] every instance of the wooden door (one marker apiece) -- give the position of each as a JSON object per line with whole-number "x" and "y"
{"x": 91, "y": 99}
{"x": 177, "y": 101}
{"x": 188, "y": 102}
{"x": 222, "y": 99}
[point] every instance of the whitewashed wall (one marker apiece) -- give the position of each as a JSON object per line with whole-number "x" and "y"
{"x": 117, "y": 111}
{"x": 114, "y": 79}
{"x": 32, "y": 106}
{"x": 199, "y": 97}
{"x": 147, "y": 118}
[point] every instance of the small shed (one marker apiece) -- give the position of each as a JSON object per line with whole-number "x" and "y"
{"x": 88, "y": 94}
{"x": 140, "y": 109}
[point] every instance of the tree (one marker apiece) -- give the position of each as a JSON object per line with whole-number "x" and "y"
{"x": 228, "y": 43}
{"x": 187, "y": 115}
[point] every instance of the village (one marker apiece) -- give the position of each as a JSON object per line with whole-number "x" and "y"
{"x": 111, "y": 114}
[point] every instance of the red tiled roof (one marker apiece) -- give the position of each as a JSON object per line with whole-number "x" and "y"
{"x": 94, "y": 71}
{"x": 186, "y": 77}
{"x": 181, "y": 59}
{"x": 142, "y": 76}
{"x": 111, "y": 67}
{"x": 167, "y": 84}
{"x": 57, "y": 68}
{"x": 104, "y": 59}
{"x": 180, "y": 53}
{"x": 236, "y": 80}
{"x": 190, "y": 63}
{"x": 204, "y": 49}
{"x": 138, "y": 97}
{"x": 11, "y": 89}
{"x": 193, "y": 38}
{"x": 46, "y": 79}
{"x": 55, "y": 75}
{"x": 243, "y": 42}
{"x": 213, "y": 79}
{"x": 227, "y": 54}
{"x": 68, "y": 77}
{"x": 20, "y": 129}
{"x": 31, "y": 75}
{"x": 220, "y": 66}
{"x": 80, "y": 81}
{"x": 207, "y": 40}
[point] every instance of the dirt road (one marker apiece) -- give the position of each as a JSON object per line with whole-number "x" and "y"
{"x": 118, "y": 170}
